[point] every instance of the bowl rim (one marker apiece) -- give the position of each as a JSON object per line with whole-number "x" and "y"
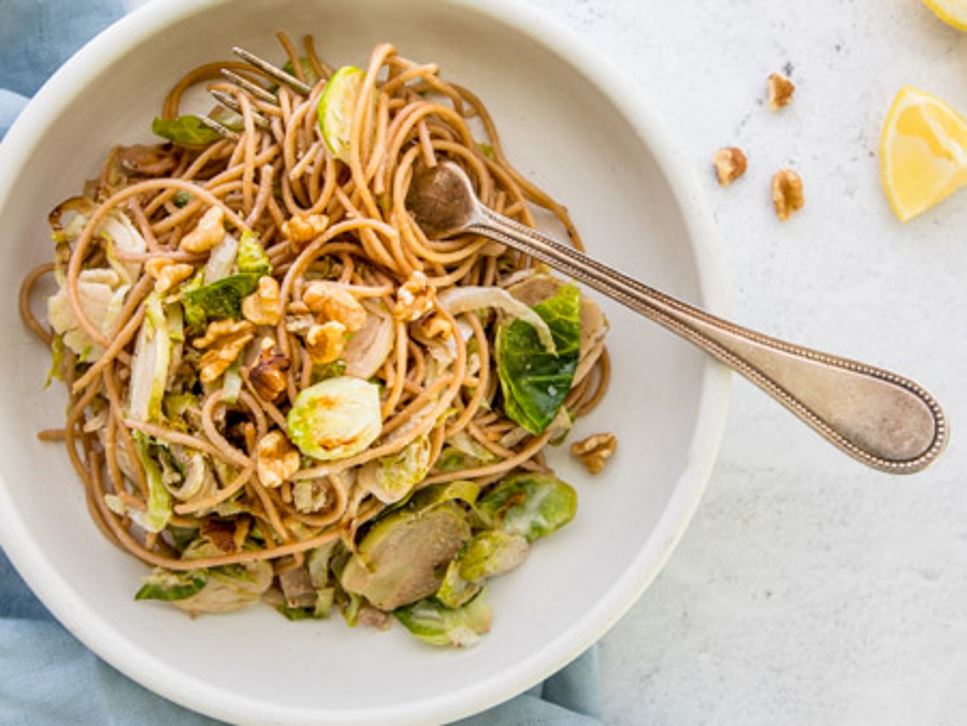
{"x": 141, "y": 666}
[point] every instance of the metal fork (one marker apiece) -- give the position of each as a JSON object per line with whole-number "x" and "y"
{"x": 256, "y": 90}
{"x": 880, "y": 418}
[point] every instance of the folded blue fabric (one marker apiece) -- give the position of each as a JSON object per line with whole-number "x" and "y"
{"x": 47, "y": 677}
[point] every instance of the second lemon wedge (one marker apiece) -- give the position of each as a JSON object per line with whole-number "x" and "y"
{"x": 952, "y": 12}
{"x": 923, "y": 152}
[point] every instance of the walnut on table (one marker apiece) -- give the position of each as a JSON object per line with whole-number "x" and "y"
{"x": 730, "y": 163}
{"x": 780, "y": 90}
{"x": 787, "y": 193}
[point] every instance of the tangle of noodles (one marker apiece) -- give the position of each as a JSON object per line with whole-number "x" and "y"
{"x": 436, "y": 372}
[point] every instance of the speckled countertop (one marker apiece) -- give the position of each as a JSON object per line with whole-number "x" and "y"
{"x": 807, "y": 589}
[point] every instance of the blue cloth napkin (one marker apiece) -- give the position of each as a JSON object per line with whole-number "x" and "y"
{"x": 47, "y": 677}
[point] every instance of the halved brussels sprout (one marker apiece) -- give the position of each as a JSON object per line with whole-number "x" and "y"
{"x": 532, "y": 505}
{"x": 391, "y": 478}
{"x": 490, "y": 553}
{"x": 455, "y": 590}
{"x": 435, "y": 624}
{"x": 229, "y": 587}
{"x": 335, "y": 418}
{"x": 336, "y": 107}
{"x": 436, "y": 494}
{"x": 162, "y": 584}
{"x": 402, "y": 558}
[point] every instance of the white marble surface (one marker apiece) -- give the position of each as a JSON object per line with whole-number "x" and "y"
{"x": 807, "y": 589}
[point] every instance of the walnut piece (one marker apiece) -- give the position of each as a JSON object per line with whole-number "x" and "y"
{"x": 595, "y": 450}
{"x": 267, "y": 376}
{"x": 301, "y": 230}
{"x": 276, "y": 459}
{"x": 326, "y": 343}
{"x": 222, "y": 329}
{"x": 154, "y": 265}
{"x": 264, "y": 306}
{"x": 780, "y": 91}
{"x": 787, "y": 193}
{"x": 224, "y": 341}
{"x": 167, "y": 273}
{"x": 208, "y": 233}
{"x": 730, "y": 163}
{"x": 415, "y": 298}
{"x": 435, "y": 326}
{"x": 332, "y": 301}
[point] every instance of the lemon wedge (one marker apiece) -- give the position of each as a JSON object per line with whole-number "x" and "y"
{"x": 952, "y": 12}
{"x": 923, "y": 152}
{"x": 335, "y": 110}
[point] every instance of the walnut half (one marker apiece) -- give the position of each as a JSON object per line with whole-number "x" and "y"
{"x": 207, "y": 234}
{"x": 780, "y": 91}
{"x": 301, "y": 229}
{"x": 435, "y": 326}
{"x": 276, "y": 459}
{"x": 330, "y": 301}
{"x": 730, "y": 163}
{"x": 326, "y": 343}
{"x": 787, "y": 193}
{"x": 167, "y": 273}
{"x": 415, "y": 298}
{"x": 595, "y": 450}
{"x": 264, "y": 306}
{"x": 223, "y": 342}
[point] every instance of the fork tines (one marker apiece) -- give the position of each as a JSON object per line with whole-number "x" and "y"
{"x": 274, "y": 71}
{"x": 254, "y": 88}
{"x": 218, "y": 128}
{"x": 229, "y": 102}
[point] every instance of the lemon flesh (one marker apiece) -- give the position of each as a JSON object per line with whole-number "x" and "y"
{"x": 923, "y": 152}
{"x": 952, "y": 12}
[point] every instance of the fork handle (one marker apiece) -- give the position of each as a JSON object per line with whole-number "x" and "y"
{"x": 879, "y": 418}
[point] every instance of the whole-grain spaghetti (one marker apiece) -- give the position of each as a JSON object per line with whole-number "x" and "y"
{"x": 279, "y": 387}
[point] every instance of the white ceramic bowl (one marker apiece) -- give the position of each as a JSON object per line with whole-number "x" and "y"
{"x": 569, "y": 120}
